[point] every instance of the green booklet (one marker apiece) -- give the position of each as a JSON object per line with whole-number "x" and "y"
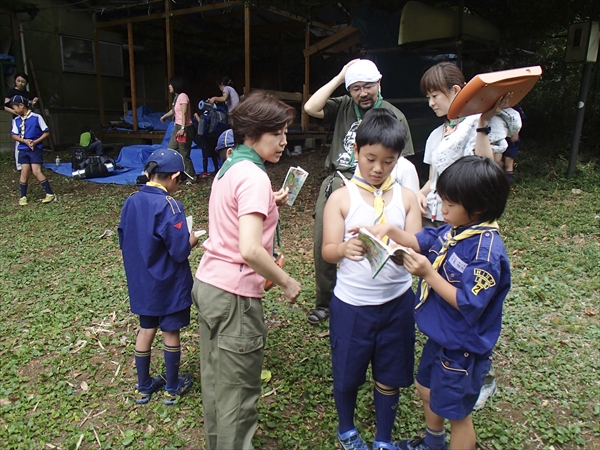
{"x": 294, "y": 180}
{"x": 378, "y": 253}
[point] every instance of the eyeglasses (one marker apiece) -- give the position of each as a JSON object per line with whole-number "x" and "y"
{"x": 355, "y": 89}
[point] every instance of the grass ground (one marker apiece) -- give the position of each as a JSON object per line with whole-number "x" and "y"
{"x": 67, "y": 337}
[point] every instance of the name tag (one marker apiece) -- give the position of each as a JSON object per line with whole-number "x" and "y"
{"x": 457, "y": 263}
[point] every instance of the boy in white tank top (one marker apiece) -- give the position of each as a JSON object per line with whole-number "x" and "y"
{"x": 370, "y": 319}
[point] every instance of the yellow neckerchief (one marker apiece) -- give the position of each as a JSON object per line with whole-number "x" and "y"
{"x": 158, "y": 185}
{"x": 378, "y": 202}
{"x": 22, "y": 133}
{"x": 451, "y": 239}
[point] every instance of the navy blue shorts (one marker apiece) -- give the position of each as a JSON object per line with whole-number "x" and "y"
{"x": 454, "y": 378}
{"x": 383, "y": 335}
{"x": 512, "y": 150}
{"x": 170, "y": 322}
{"x": 35, "y": 156}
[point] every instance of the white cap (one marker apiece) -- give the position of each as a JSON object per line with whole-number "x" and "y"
{"x": 362, "y": 70}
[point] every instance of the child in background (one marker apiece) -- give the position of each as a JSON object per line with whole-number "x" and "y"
{"x": 371, "y": 320}
{"x": 225, "y": 145}
{"x": 156, "y": 243}
{"x": 229, "y": 95}
{"x": 465, "y": 277}
{"x": 514, "y": 142}
{"x": 89, "y": 139}
{"x": 29, "y": 130}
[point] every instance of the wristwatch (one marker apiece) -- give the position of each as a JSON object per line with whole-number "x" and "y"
{"x": 485, "y": 130}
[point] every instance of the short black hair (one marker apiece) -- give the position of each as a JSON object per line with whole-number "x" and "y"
{"x": 381, "y": 126}
{"x": 178, "y": 83}
{"x": 478, "y": 184}
{"x": 22, "y": 75}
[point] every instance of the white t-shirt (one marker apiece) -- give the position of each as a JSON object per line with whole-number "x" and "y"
{"x": 406, "y": 175}
{"x": 441, "y": 151}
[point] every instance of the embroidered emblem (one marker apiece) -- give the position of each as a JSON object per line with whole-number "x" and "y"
{"x": 179, "y": 225}
{"x": 483, "y": 280}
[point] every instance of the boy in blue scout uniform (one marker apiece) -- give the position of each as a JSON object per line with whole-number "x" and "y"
{"x": 156, "y": 243}
{"x": 465, "y": 277}
{"x": 29, "y": 130}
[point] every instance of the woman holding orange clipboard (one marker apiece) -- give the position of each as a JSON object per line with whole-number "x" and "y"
{"x": 478, "y": 134}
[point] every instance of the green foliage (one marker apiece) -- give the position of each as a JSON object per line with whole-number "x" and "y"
{"x": 67, "y": 337}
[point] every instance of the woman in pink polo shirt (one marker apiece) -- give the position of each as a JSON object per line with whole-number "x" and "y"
{"x": 183, "y": 133}
{"x": 230, "y": 279}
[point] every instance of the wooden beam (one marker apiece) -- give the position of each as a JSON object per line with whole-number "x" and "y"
{"x": 163, "y": 15}
{"x": 301, "y": 19}
{"x": 306, "y": 90}
{"x": 98, "y": 71}
{"x": 169, "y": 46}
{"x": 247, "y": 49}
{"x": 330, "y": 40}
{"x": 132, "y": 76}
{"x": 285, "y": 96}
{"x": 353, "y": 40}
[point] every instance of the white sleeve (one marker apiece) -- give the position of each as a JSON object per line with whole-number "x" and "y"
{"x": 42, "y": 124}
{"x": 15, "y": 128}
{"x": 406, "y": 175}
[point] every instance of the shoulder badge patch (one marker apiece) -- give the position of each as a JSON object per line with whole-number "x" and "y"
{"x": 178, "y": 225}
{"x": 483, "y": 280}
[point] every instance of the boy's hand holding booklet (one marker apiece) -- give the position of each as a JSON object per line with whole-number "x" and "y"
{"x": 190, "y": 222}
{"x": 378, "y": 253}
{"x": 294, "y": 180}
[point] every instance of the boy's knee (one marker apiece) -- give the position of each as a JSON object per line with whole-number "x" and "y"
{"x": 422, "y": 391}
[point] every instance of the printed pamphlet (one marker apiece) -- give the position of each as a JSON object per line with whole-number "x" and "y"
{"x": 294, "y": 180}
{"x": 379, "y": 253}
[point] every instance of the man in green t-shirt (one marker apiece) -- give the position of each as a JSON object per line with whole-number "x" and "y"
{"x": 363, "y": 82}
{"x": 90, "y": 141}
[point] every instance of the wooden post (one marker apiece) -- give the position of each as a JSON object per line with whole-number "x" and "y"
{"x": 132, "y": 76}
{"x": 247, "y": 48}
{"x": 43, "y": 110}
{"x": 169, "y": 47}
{"x": 98, "y": 71}
{"x": 306, "y": 90}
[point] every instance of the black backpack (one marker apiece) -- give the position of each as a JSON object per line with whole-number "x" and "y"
{"x": 78, "y": 156}
{"x": 95, "y": 167}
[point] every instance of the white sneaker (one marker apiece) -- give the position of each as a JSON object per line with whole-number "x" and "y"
{"x": 487, "y": 390}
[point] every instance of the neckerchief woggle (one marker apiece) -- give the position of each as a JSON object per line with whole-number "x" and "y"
{"x": 241, "y": 153}
{"x": 376, "y": 105}
{"x": 378, "y": 202}
{"x": 451, "y": 239}
{"x": 22, "y": 127}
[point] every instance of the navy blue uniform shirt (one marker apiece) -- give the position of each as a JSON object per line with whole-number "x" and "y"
{"x": 154, "y": 239}
{"x": 479, "y": 269}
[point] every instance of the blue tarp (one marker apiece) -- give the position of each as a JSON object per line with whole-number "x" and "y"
{"x": 133, "y": 158}
{"x": 147, "y": 119}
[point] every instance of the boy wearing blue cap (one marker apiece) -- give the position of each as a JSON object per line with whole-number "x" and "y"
{"x": 156, "y": 243}
{"x": 225, "y": 144}
{"x": 29, "y": 130}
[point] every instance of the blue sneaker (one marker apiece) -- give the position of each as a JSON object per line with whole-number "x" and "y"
{"x": 382, "y": 445}
{"x": 351, "y": 440}
{"x": 143, "y": 396}
{"x": 415, "y": 444}
{"x": 185, "y": 384}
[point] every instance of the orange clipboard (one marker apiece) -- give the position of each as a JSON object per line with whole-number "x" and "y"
{"x": 483, "y": 91}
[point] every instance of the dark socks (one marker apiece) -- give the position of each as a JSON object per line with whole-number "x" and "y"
{"x": 345, "y": 403}
{"x": 436, "y": 439}
{"x": 386, "y": 405}
{"x": 23, "y": 189}
{"x": 172, "y": 358}
{"x": 46, "y": 185}
{"x": 142, "y": 363}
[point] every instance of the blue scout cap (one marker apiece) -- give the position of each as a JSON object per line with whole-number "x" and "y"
{"x": 169, "y": 161}
{"x": 19, "y": 99}
{"x": 225, "y": 140}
